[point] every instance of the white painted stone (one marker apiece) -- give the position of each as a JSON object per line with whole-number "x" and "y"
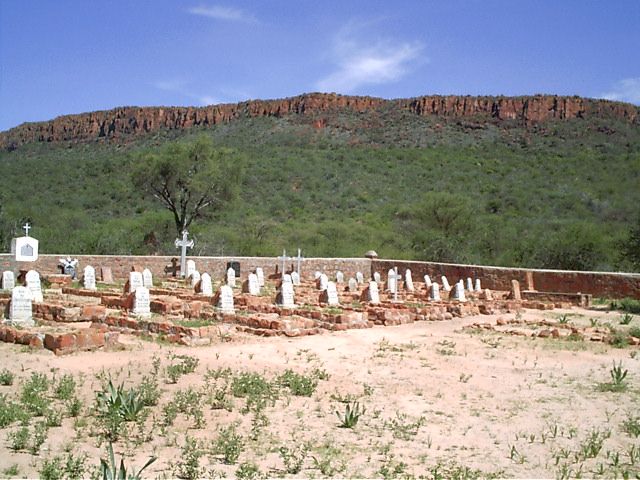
{"x": 8, "y": 280}
{"x": 478, "y": 286}
{"x": 295, "y": 278}
{"x": 408, "y": 281}
{"x": 33, "y": 283}
{"x": 469, "y": 285}
{"x": 353, "y": 285}
{"x": 260, "y": 275}
{"x": 332, "y": 294}
{"x": 285, "y": 296}
{"x": 195, "y": 278}
{"x": 458, "y": 292}
{"x": 142, "y": 302}
{"x": 191, "y": 267}
{"x": 434, "y": 294}
{"x": 254, "y": 286}
{"x": 376, "y": 277}
{"x": 231, "y": 277}
{"x": 359, "y": 277}
{"x": 286, "y": 278}
{"x": 321, "y": 282}
{"x": 225, "y": 300}
{"x": 392, "y": 281}
{"x": 135, "y": 281}
{"x": 316, "y": 275}
{"x": 89, "y": 278}
{"x": 25, "y": 249}
{"x": 487, "y": 294}
{"x": 445, "y": 284}
{"x": 206, "y": 286}
{"x": 339, "y": 277}
{"x": 20, "y": 311}
{"x": 373, "y": 295}
{"x": 147, "y": 278}
{"x": 427, "y": 281}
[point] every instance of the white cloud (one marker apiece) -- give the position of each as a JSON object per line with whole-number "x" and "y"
{"x": 627, "y": 90}
{"x": 181, "y": 87}
{"x": 360, "y": 62}
{"x": 219, "y": 12}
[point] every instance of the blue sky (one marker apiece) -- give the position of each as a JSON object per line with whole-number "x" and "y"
{"x": 70, "y": 56}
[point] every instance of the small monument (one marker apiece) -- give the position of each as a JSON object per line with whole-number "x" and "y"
{"x": 25, "y": 249}
{"x": 376, "y": 277}
{"x": 427, "y": 281}
{"x": 231, "y": 277}
{"x": 445, "y": 284}
{"x": 260, "y": 275}
{"x": 191, "y": 267}
{"x": 359, "y": 277}
{"x": 20, "y": 311}
{"x": 69, "y": 266}
{"x": 33, "y": 283}
{"x": 408, "y": 281}
{"x": 469, "y": 285}
{"x": 458, "y": 292}
{"x": 135, "y": 281}
{"x": 8, "y": 280}
{"x": 321, "y": 282}
{"x": 206, "y": 288}
{"x": 330, "y": 295}
{"x": 183, "y": 244}
{"x": 295, "y": 278}
{"x": 285, "y": 297}
{"x": 392, "y": 281}
{"x": 478, "y": 286}
{"x": 253, "y": 287}
{"x": 225, "y": 299}
{"x": 515, "y": 290}
{"x": 286, "y": 278}
{"x": 141, "y": 302}
{"x": 371, "y": 293}
{"x": 106, "y": 274}
{"x": 339, "y": 277}
{"x": 434, "y": 294}
{"x": 353, "y": 285}
{"x": 316, "y": 275}
{"x": 195, "y": 278}
{"x": 89, "y": 278}
{"x": 147, "y": 278}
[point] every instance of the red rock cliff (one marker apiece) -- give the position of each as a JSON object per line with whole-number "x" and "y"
{"x": 126, "y": 121}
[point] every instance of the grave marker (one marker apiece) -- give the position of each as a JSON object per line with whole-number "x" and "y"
{"x": 316, "y": 275}
{"x": 33, "y": 283}
{"x": 25, "y": 249}
{"x": 427, "y": 281}
{"x": 469, "y": 284}
{"x": 147, "y": 278}
{"x": 206, "y": 288}
{"x": 295, "y": 278}
{"x": 371, "y": 293}
{"x": 434, "y": 294}
{"x": 445, "y": 284}
{"x": 458, "y": 292}
{"x": 8, "y": 280}
{"x": 89, "y": 278}
{"x": 135, "y": 281}
{"x": 21, "y": 309}
{"x": 339, "y": 277}
{"x": 284, "y": 259}
{"x": 408, "y": 281}
{"x": 252, "y": 284}
{"x": 392, "y": 281}
{"x": 231, "y": 277}
{"x": 321, "y": 282}
{"x": 515, "y": 290}
{"x": 359, "y": 277}
{"x": 191, "y": 267}
{"x": 225, "y": 299}
{"x": 353, "y": 285}
{"x": 285, "y": 297}
{"x": 106, "y": 274}
{"x": 330, "y": 294}
{"x": 376, "y": 277}
{"x": 141, "y": 302}
{"x": 478, "y": 286}
{"x": 260, "y": 275}
{"x": 195, "y": 278}
{"x": 184, "y": 244}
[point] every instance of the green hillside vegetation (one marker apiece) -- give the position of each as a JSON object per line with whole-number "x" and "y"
{"x": 558, "y": 195}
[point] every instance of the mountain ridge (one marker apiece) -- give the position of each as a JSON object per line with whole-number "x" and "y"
{"x": 120, "y": 122}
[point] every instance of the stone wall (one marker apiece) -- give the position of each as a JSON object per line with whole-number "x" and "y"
{"x": 598, "y": 284}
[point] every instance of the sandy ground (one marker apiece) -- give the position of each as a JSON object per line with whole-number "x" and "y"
{"x": 436, "y": 396}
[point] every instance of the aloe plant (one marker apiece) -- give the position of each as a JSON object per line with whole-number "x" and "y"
{"x": 353, "y": 412}
{"x": 109, "y": 470}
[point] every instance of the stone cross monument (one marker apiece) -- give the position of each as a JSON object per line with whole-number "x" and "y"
{"x": 184, "y": 244}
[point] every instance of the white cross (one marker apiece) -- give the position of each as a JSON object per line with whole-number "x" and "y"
{"x": 26, "y": 228}
{"x": 396, "y": 277}
{"x": 184, "y": 243}
{"x": 284, "y": 258}
{"x": 299, "y": 258}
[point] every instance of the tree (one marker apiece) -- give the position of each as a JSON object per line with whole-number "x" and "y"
{"x": 189, "y": 178}
{"x": 631, "y": 246}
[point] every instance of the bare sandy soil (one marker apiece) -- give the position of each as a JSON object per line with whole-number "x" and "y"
{"x": 440, "y": 399}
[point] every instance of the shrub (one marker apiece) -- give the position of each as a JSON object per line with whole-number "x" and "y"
{"x": 229, "y": 444}
{"x": 6, "y": 377}
{"x": 299, "y": 385}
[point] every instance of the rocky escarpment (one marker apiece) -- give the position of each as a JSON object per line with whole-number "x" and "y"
{"x": 125, "y": 121}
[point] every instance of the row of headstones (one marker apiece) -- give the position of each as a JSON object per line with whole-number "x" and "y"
{"x": 22, "y": 298}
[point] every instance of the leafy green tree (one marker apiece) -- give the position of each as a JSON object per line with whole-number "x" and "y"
{"x": 189, "y": 178}
{"x": 631, "y": 246}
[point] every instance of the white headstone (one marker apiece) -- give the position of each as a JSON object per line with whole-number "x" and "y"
{"x": 33, "y": 283}
{"x": 231, "y": 277}
{"x": 254, "y": 286}
{"x": 20, "y": 312}
{"x": 469, "y": 285}
{"x": 408, "y": 281}
{"x": 295, "y": 278}
{"x": 392, "y": 281}
{"x": 434, "y": 294}
{"x": 487, "y": 294}
{"x": 142, "y": 302}
{"x": 8, "y": 280}
{"x": 147, "y": 278}
{"x": 25, "y": 249}
{"x": 286, "y": 278}
{"x": 373, "y": 295}
{"x": 339, "y": 277}
{"x": 445, "y": 284}
{"x": 332, "y": 294}
{"x": 478, "y": 286}
{"x": 260, "y": 275}
{"x": 225, "y": 301}
{"x": 195, "y": 278}
{"x": 89, "y": 278}
{"x": 376, "y": 277}
{"x": 427, "y": 281}
{"x": 135, "y": 281}
{"x": 322, "y": 281}
{"x": 458, "y": 292}
{"x": 206, "y": 287}
{"x": 285, "y": 297}
{"x": 316, "y": 275}
{"x": 191, "y": 267}
{"x": 359, "y": 277}
{"x": 353, "y": 285}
